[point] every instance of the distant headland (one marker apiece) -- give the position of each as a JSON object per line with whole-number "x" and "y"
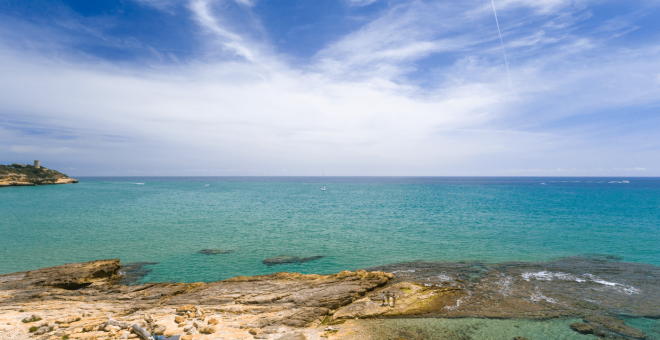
{"x": 31, "y": 175}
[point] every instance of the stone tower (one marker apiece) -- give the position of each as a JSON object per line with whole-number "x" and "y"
{"x": 37, "y": 164}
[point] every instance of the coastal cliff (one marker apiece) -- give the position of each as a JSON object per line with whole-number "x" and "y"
{"x": 29, "y": 175}
{"x": 88, "y": 301}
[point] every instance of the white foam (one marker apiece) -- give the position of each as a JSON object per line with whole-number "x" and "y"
{"x": 404, "y": 271}
{"x": 630, "y": 290}
{"x": 544, "y": 276}
{"x": 505, "y": 285}
{"x": 445, "y": 277}
{"x": 596, "y": 279}
{"x": 538, "y": 296}
{"x": 549, "y": 276}
{"x": 458, "y": 304}
{"x": 139, "y": 183}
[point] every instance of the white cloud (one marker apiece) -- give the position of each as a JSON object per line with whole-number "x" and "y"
{"x": 571, "y": 171}
{"x": 630, "y": 169}
{"x": 361, "y": 2}
{"x": 248, "y": 3}
{"x": 351, "y": 111}
{"x": 541, "y": 6}
{"x": 229, "y": 40}
{"x": 165, "y": 5}
{"x": 403, "y": 34}
{"x": 37, "y": 149}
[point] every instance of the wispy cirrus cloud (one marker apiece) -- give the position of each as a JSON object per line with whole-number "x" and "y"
{"x": 248, "y": 3}
{"x": 543, "y": 7}
{"x": 230, "y": 40}
{"x": 360, "y": 2}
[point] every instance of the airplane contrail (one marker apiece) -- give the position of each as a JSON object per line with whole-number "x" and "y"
{"x": 508, "y": 74}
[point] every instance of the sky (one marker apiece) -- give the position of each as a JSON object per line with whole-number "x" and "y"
{"x": 341, "y": 87}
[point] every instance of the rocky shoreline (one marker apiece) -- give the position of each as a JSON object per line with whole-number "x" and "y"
{"x": 85, "y": 301}
{"x": 23, "y": 182}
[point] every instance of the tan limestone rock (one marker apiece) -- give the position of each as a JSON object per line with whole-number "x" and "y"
{"x": 160, "y": 329}
{"x": 207, "y": 329}
{"x": 186, "y": 308}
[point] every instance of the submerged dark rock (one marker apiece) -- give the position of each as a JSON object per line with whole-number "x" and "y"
{"x": 607, "y": 325}
{"x": 415, "y": 329}
{"x": 215, "y": 251}
{"x": 582, "y": 327}
{"x": 133, "y": 273}
{"x": 283, "y": 259}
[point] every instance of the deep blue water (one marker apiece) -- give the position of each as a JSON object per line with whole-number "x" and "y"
{"x": 357, "y": 222}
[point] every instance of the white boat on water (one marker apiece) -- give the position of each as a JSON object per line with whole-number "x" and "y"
{"x": 323, "y": 182}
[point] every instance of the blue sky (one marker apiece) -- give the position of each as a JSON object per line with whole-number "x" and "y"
{"x": 349, "y": 87}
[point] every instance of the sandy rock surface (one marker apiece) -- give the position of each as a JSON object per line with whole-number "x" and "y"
{"x": 22, "y": 181}
{"x": 83, "y": 301}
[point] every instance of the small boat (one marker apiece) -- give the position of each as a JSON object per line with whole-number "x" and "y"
{"x": 323, "y": 182}
{"x": 624, "y": 181}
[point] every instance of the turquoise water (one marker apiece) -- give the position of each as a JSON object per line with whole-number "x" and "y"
{"x": 649, "y": 326}
{"x": 356, "y": 223}
{"x": 470, "y": 328}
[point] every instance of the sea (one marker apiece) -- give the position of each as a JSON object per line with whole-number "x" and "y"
{"x": 164, "y": 224}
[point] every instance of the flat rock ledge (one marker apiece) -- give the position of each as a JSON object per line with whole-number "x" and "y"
{"x": 84, "y": 301}
{"x": 22, "y": 182}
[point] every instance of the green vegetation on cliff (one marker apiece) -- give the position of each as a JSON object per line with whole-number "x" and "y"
{"x": 29, "y": 171}
{"x": 29, "y": 175}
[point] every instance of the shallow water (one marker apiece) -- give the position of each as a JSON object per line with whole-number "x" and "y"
{"x": 579, "y": 285}
{"x": 469, "y": 329}
{"x": 355, "y": 223}
{"x": 649, "y": 326}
